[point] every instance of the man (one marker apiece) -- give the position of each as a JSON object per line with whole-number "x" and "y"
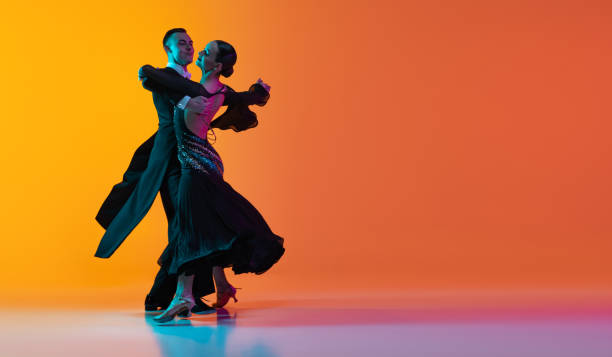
{"x": 154, "y": 167}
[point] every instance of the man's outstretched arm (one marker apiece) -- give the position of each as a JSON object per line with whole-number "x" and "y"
{"x": 177, "y": 87}
{"x": 174, "y": 86}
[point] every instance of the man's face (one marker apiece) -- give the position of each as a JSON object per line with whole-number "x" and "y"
{"x": 180, "y": 48}
{"x": 207, "y": 57}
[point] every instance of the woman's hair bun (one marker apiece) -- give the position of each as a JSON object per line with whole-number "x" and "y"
{"x": 226, "y": 72}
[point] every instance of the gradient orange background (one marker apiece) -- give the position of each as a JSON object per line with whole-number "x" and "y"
{"x": 407, "y": 146}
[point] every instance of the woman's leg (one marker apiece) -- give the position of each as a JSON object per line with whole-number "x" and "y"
{"x": 184, "y": 288}
{"x": 220, "y": 279}
{"x": 225, "y": 290}
{"x": 182, "y": 302}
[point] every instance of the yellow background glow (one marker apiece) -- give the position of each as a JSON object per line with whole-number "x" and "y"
{"x": 406, "y": 145}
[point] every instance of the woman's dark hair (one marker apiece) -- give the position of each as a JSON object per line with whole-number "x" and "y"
{"x": 227, "y": 57}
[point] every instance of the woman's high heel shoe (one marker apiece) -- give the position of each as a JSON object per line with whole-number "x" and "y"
{"x": 182, "y": 308}
{"x": 223, "y": 297}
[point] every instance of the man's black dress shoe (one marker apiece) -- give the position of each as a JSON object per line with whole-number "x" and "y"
{"x": 201, "y": 308}
{"x": 151, "y": 305}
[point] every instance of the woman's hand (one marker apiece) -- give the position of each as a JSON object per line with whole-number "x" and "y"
{"x": 141, "y": 72}
{"x": 141, "y": 75}
{"x": 263, "y": 84}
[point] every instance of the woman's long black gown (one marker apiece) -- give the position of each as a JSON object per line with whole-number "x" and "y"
{"x": 215, "y": 224}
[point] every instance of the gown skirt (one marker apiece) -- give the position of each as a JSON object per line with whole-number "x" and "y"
{"x": 217, "y": 226}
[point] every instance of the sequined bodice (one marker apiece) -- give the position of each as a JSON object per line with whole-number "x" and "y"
{"x": 195, "y": 152}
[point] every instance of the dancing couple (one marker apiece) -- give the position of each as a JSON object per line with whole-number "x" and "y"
{"x": 210, "y": 225}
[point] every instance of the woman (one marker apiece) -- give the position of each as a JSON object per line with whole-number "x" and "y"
{"x": 216, "y": 226}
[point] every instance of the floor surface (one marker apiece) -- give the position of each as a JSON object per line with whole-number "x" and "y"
{"x": 315, "y": 328}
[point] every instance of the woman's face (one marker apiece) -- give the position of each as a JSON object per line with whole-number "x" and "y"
{"x": 206, "y": 58}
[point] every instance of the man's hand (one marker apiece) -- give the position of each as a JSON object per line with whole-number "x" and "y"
{"x": 263, "y": 84}
{"x": 196, "y": 105}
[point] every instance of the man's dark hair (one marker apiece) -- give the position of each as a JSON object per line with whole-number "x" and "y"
{"x": 170, "y": 32}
